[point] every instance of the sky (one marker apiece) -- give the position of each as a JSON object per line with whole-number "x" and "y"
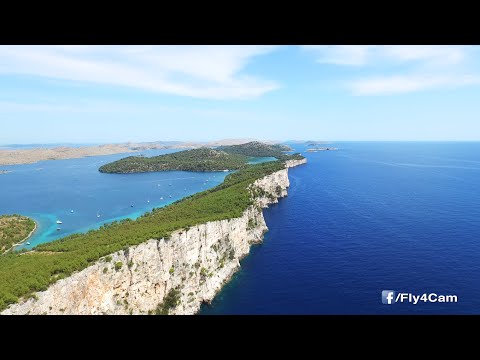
{"x": 100, "y": 94}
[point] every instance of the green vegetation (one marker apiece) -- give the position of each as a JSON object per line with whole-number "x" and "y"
{"x": 256, "y": 149}
{"x": 118, "y": 265}
{"x": 202, "y": 159}
{"x": 171, "y": 300}
{"x": 23, "y": 274}
{"x": 14, "y": 229}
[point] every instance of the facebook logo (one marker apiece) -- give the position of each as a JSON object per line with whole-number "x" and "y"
{"x": 388, "y": 297}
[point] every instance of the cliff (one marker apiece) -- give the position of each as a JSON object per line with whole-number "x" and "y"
{"x": 196, "y": 262}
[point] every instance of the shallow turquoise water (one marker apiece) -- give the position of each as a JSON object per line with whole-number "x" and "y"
{"x": 49, "y": 190}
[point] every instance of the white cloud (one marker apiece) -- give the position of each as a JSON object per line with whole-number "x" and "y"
{"x": 341, "y": 54}
{"x": 394, "y": 69}
{"x": 213, "y": 72}
{"x": 396, "y": 84}
{"x": 374, "y": 54}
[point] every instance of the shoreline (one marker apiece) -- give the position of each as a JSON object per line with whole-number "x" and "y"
{"x": 34, "y": 155}
{"x": 28, "y": 237}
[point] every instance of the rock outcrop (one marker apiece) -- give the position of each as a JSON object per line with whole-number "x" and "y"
{"x": 193, "y": 264}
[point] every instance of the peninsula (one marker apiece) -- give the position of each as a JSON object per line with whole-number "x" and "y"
{"x": 168, "y": 261}
{"x": 14, "y": 229}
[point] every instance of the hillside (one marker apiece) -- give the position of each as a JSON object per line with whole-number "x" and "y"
{"x": 22, "y": 275}
{"x": 256, "y": 149}
{"x": 202, "y": 159}
{"x": 14, "y": 229}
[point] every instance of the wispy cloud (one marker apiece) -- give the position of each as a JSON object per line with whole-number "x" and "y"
{"x": 212, "y": 72}
{"x": 394, "y": 69}
{"x": 387, "y": 85}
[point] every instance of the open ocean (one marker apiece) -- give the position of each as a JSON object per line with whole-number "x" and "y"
{"x": 372, "y": 216}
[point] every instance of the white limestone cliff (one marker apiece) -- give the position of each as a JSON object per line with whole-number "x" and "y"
{"x": 197, "y": 262}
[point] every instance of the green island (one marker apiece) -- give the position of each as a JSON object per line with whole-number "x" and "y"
{"x": 203, "y": 159}
{"x": 23, "y": 274}
{"x": 256, "y": 149}
{"x": 14, "y": 229}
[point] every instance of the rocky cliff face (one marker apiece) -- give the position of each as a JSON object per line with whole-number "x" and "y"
{"x": 193, "y": 264}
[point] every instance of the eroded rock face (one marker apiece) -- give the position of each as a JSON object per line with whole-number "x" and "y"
{"x": 197, "y": 262}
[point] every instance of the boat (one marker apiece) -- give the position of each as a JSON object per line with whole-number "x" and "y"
{"x": 98, "y": 215}
{"x": 170, "y": 196}
{"x": 28, "y": 243}
{"x": 148, "y": 201}
{"x": 131, "y": 205}
{"x": 59, "y": 222}
{"x": 71, "y": 211}
{"x": 161, "y": 198}
{"x": 59, "y": 229}
{"x": 169, "y": 184}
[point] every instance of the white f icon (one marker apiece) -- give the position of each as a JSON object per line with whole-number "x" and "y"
{"x": 390, "y": 298}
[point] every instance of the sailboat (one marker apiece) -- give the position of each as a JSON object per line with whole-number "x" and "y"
{"x": 59, "y": 222}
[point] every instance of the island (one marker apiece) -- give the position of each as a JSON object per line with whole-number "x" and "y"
{"x": 203, "y": 159}
{"x": 42, "y": 153}
{"x": 14, "y": 230}
{"x": 222, "y": 158}
{"x": 168, "y": 261}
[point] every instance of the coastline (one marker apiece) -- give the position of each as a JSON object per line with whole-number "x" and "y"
{"x": 21, "y": 242}
{"x": 34, "y": 155}
{"x": 196, "y": 261}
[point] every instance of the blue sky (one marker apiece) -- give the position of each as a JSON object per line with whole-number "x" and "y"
{"x": 90, "y": 94}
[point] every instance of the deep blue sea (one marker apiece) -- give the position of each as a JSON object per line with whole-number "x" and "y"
{"x": 369, "y": 217}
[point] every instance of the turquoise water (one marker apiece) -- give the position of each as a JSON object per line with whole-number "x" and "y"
{"x": 49, "y": 190}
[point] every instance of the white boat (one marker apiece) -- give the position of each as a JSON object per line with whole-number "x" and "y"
{"x": 71, "y": 211}
{"x": 59, "y": 222}
{"x": 28, "y": 243}
{"x": 148, "y": 201}
{"x": 161, "y": 198}
{"x": 98, "y": 215}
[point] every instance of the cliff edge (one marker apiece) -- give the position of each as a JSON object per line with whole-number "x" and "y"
{"x": 174, "y": 275}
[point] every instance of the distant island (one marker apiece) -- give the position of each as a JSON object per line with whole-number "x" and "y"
{"x": 223, "y": 158}
{"x": 35, "y": 154}
{"x": 322, "y": 149}
{"x": 14, "y": 229}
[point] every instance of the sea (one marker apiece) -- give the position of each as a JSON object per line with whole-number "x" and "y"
{"x": 372, "y": 216}
{"x": 75, "y": 193}
{"x": 369, "y": 217}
